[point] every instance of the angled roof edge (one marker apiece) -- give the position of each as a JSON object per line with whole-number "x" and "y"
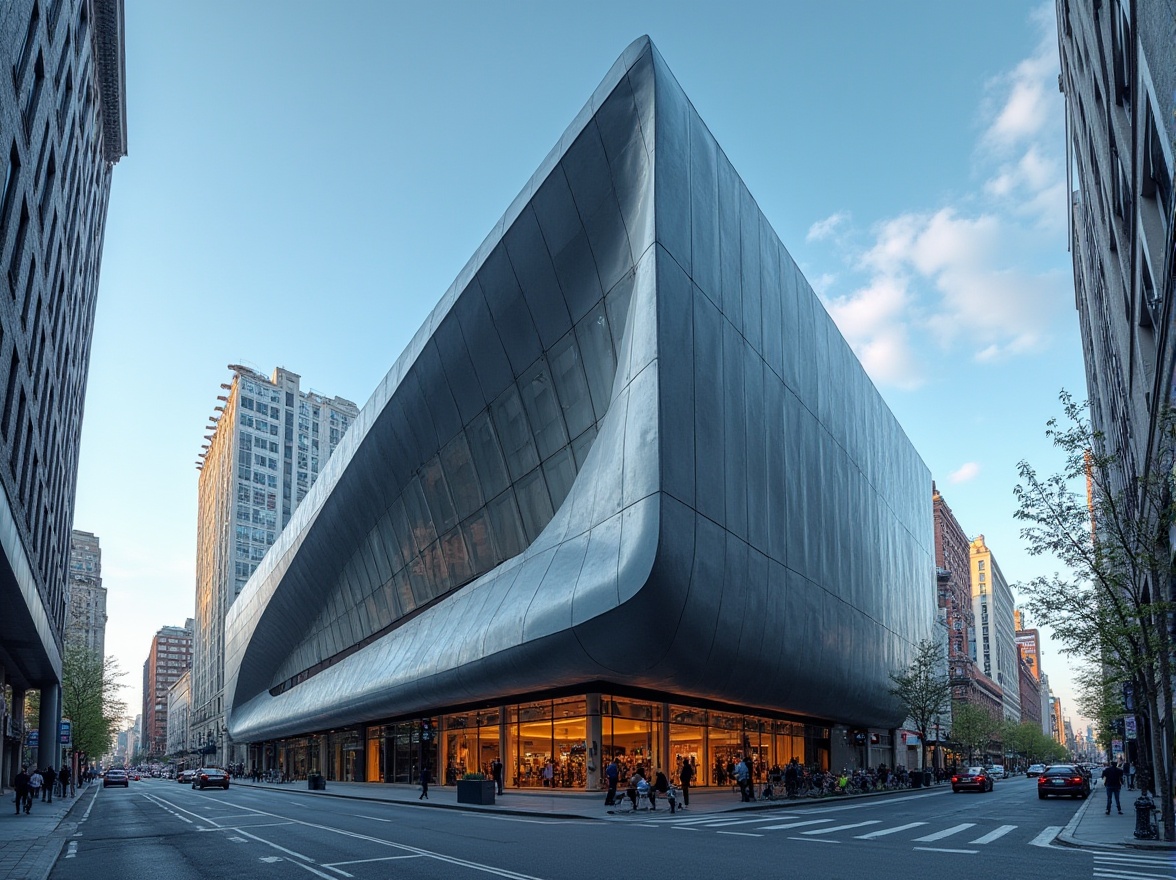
{"x": 307, "y": 512}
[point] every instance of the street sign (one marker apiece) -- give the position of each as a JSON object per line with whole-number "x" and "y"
{"x": 65, "y": 735}
{"x": 33, "y": 739}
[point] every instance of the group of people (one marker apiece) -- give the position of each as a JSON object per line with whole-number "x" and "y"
{"x": 640, "y": 786}
{"x": 28, "y": 787}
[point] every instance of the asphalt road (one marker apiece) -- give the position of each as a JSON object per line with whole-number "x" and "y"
{"x": 159, "y": 829}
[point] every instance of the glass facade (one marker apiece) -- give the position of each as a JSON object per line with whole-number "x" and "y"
{"x": 556, "y": 743}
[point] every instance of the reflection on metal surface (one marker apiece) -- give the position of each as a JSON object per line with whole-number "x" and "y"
{"x": 628, "y": 445}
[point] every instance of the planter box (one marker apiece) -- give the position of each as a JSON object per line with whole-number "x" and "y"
{"x": 475, "y": 791}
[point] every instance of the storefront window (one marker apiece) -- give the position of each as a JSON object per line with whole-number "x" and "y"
{"x": 374, "y": 756}
{"x": 631, "y": 731}
{"x": 471, "y": 744}
{"x": 548, "y": 743}
{"x": 687, "y": 738}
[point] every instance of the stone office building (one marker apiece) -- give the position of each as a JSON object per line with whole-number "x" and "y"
{"x": 62, "y": 129}
{"x": 627, "y": 493}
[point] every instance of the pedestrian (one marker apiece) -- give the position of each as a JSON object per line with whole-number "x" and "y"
{"x": 1131, "y": 776}
{"x": 36, "y": 780}
{"x": 612, "y": 773}
{"x": 742, "y": 779}
{"x": 63, "y": 779}
{"x": 661, "y": 785}
{"x": 20, "y": 787}
{"x": 548, "y": 774}
{"x": 50, "y": 782}
{"x": 750, "y": 777}
{"x": 1112, "y": 778}
{"x": 685, "y": 776}
{"x": 424, "y": 783}
{"x": 496, "y": 773}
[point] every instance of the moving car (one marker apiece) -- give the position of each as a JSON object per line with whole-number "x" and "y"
{"x": 1059, "y": 779}
{"x": 1035, "y": 770}
{"x": 211, "y": 777}
{"x": 996, "y": 771}
{"x": 116, "y": 776}
{"x": 971, "y": 779}
{"x": 185, "y": 776}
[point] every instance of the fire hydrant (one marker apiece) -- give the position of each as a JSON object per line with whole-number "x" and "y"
{"x": 1145, "y": 826}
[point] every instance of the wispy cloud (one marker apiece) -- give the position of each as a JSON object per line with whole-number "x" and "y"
{"x": 965, "y": 275}
{"x": 965, "y": 472}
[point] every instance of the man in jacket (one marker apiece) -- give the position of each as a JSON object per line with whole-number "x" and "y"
{"x": 1113, "y": 781}
{"x": 21, "y": 788}
{"x": 50, "y": 780}
{"x": 612, "y": 773}
{"x": 685, "y": 775}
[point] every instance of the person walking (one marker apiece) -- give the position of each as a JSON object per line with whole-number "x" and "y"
{"x": 612, "y": 773}
{"x": 50, "y": 783}
{"x": 496, "y": 774}
{"x": 685, "y": 776}
{"x": 1112, "y": 778}
{"x": 36, "y": 780}
{"x": 742, "y": 779}
{"x": 424, "y": 783}
{"x": 20, "y": 787}
{"x": 63, "y": 779}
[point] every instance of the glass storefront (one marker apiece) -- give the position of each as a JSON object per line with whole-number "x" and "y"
{"x": 553, "y": 743}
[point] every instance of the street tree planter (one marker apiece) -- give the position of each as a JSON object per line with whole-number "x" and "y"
{"x": 476, "y": 791}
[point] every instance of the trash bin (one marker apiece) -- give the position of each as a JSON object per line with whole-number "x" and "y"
{"x": 928, "y": 778}
{"x": 916, "y": 777}
{"x": 316, "y": 782}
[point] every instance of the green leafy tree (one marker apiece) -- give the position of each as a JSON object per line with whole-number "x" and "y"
{"x": 90, "y": 699}
{"x": 1109, "y": 530}
{"x": 973, "y": 728}
{"x": 923, "y": 689}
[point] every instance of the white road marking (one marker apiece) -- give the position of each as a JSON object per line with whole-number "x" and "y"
{"x": 381, "y": 859}
{"x": 886, "y": 831}
{"x": 1130, "y": 874}
{"x": 809, "y": 839}
{"x": 833, "y": 828}
{"x": 338, "y": 871}
{"x": 946, "y": 850}
{"x": 740, "y": 833}
{"x": 372, "y": 818}
{"x": 947, "y": 832}
{"x": 72, "y": 849}
{"x": 313, "y": 870}
{"x": 271, "y": 859}
{"x": 288, "y": 852}
{"x": 993, "y": 835}
{"x": 793, "y": 824}
{"x": 1044, "y": 838}
{"x": 723, "y": 823}
{"x": 1125, "y": 858}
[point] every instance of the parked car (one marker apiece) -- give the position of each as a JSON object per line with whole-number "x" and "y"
{"x": 1059, "y": 779}
{"x": 211, "y": 777}
{"x": 1035, "y": 770}
{"x": 971, "y": 779}
{"x": 116, "y": 776}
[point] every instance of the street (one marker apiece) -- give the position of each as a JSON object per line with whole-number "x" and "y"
{"x": 160, "y": 828}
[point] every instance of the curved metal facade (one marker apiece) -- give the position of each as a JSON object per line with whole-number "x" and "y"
{"x": 628, "y": 445}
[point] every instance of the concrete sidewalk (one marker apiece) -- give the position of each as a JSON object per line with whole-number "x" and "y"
{"x": 30, "y": 845}
{"x": 1093, "y": 826}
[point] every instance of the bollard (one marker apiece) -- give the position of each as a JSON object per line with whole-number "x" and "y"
{"x": 1145, "y": 828}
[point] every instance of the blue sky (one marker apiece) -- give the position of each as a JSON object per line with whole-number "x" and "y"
{"x": 305, "y": 180}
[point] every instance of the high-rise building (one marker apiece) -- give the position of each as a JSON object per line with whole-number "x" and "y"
{"x": 996, "y": 645}
{"x": 179, "y": 712}
{"x": 1118, "y": 79}
{"x": 955, "y": 595}
{"x": 268, "y": 441}
{"x": 169, "y": 659}
{"x": 62, "y": 129}
{"x": 85, "y": 604}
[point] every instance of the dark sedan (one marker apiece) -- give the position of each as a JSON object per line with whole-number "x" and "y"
{"x": 1059, "y": 779}
{"x": 971, "y": 779}
{"x": 210, "y": 777}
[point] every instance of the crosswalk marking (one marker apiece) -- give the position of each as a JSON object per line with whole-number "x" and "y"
{"x": 1125, "y": 866}
{"x": 947, "y": 832}
{"x": 842, "y": 827}
{"x": 793, "y": 824}
{"x": 993, "y": 835}
{"x": 886, "y": 831}
{"x": 1131, "y": 874}
{"x": 1047, "y": 834}
{"x": 723, "y": 823}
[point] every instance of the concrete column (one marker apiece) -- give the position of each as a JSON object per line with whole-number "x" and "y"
{"x": 595, "y": 739}
{"x": 4, "y": 710}
{"x": 361, "y": 756}
{"x": 665, "y": 759}
{"x": 322, "y": 754}
{"x": 17, "y": 711}
{"x": 48, "y": 752}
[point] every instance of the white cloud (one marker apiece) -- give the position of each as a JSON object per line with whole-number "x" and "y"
{"x": 968, "y": 276}
{"x": 964, "y": 473}
{"x": 826, "y": 228}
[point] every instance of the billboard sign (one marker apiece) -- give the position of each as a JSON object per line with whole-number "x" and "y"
{"x": 65, "y": 735}
{"x": 1129, "y": 723}
{"x": 33, "y": 739}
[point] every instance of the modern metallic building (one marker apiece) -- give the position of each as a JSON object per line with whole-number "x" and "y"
{"x": 170, "y": 658}
{"x": 267, "y": 442}
{"x": 627, "y": 492}
{"x": 62, "y": 129}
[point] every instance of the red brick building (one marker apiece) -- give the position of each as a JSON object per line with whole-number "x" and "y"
{"x": 170, "y": 658}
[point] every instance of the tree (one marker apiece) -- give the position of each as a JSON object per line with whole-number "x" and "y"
{"x": 923, "y": 689}
{"x": 89, "y": 698}
{"x": 973, "y": 728}
{"x": 1109, "y": 529}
